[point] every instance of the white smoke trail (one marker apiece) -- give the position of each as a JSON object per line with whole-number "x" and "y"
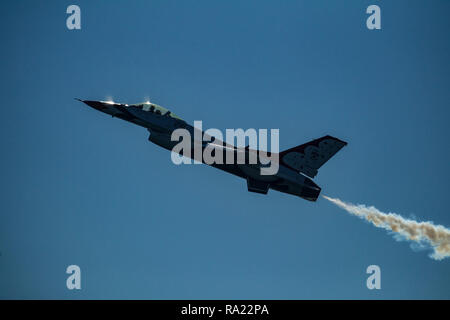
{"x": 423, "y": 233}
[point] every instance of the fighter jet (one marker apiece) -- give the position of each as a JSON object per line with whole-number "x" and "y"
{"x": 296, "y": 166}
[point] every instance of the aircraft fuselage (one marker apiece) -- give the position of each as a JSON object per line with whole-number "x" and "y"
{"x": 161, "y": 123}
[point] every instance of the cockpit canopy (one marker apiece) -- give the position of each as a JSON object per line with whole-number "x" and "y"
{"x": 151, "y": 107}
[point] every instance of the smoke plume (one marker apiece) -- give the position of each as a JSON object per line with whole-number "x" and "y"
{"x": 436, "y": 237}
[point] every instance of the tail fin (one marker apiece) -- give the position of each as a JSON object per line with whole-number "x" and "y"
{"x": 309, "y": 157}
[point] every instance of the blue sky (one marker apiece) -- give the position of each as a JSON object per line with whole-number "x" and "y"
{"x": 81, "y": 188}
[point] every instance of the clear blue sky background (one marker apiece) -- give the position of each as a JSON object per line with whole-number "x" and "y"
{"x": 78, "y": 187}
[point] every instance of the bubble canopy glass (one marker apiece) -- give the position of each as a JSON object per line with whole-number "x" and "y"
{"x": 149, "y": 107}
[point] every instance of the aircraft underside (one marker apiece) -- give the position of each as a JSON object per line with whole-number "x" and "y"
{"x": 256, "y": 184}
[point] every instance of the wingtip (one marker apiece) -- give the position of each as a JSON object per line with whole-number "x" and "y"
{"x": 79, "y": 99}
{"x": 334, "y": 138}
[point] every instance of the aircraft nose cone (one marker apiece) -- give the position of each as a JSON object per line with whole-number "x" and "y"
{"x": 93, "y": 104}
